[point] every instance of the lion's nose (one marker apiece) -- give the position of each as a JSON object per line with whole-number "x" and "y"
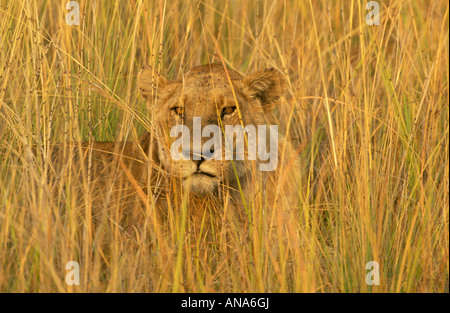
{"x": 198, "y": 163}
{"x": 208, "y": 155}
{"x": 199, "y": 155}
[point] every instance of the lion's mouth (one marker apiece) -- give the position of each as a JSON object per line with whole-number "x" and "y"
{"x": 203, "y": 173}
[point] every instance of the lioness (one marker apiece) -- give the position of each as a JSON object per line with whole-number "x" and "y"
{"x": 209, "y": 95}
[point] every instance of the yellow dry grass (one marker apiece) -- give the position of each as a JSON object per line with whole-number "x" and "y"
{"x": 367, "y": 107}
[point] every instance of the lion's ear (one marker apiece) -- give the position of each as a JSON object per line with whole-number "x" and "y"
{"x": 266, "y": 85}
{"x": 149, "y": 81}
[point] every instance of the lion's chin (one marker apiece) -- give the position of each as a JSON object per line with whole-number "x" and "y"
{"x": 201, "y": 184}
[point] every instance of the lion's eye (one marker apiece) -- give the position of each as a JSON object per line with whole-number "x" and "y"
{"x": 178, "y": 111}
{"x": 228, "y": 110}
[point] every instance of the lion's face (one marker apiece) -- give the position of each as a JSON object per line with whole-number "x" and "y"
{"x": 205, "y": 98}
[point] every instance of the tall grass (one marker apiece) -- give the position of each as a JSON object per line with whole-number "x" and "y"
{"x": 367, "y": 108}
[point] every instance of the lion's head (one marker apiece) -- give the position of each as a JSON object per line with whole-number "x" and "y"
{"x": 215, "y": 96}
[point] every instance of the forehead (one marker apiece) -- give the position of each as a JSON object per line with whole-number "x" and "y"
{"x": 207, "y": 82}
{"x": 204, "y": 87}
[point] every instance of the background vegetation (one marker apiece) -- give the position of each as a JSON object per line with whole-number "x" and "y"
{"x": 367, "y": 107}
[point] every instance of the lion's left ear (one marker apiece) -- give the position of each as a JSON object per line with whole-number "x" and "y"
{"x": 266, "y": 85}
{"x": 149, "y": 80}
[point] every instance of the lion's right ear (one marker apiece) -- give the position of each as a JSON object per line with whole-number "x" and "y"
{"x": 266, "y": 85}
{"x": 149, "y": 81}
